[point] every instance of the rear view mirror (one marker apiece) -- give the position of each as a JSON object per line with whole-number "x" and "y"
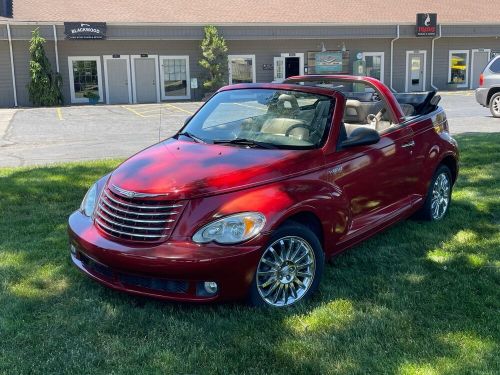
{"x": 361, "y": 136}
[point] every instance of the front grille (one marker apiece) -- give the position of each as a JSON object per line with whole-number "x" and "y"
{"x": 136, "y": 219}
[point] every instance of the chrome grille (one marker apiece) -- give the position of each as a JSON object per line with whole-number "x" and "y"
{"x": 136, "y": 219}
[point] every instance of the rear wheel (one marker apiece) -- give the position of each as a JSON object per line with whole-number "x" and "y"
{"x": 495, "y": 105}
{"x": 289, "y": 269}
{"x": 438, "y": 198}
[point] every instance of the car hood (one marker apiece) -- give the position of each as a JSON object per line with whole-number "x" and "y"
{"x": 183, "y": 169}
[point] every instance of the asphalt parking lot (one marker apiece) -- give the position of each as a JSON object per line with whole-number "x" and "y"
{"x": 37, "y": 136}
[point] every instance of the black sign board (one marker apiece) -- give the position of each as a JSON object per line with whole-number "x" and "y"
{"x": 82, "y": 30}
{"x": 426, "y": 24}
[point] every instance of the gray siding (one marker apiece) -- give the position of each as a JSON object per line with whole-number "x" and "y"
{"x": 6, "y": 91}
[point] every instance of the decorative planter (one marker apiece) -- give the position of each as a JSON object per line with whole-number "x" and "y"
{"x": 93, "y": 101}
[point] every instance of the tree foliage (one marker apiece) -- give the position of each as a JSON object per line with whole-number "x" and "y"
{"x": 214, "y": 60}
{"x": 44, "y": 88}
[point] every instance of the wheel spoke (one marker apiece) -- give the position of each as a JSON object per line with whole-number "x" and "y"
{"x": 269, "y": 263}
{"x": 276, "y": 256}
{"x": 268, "y": 282}
{"x": 272, "y": 289}
{"x": 276, "y": 295}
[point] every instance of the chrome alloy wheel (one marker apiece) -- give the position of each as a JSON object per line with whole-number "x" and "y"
{"x": 495, "y": 105}
{"x": 440, "y": 196}
{"x": 286, "y": 271}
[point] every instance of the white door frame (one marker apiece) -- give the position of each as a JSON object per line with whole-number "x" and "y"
{"x": 71, "y": 77}
{"x": 300, "y": 55}
{"x": 254, "y": 70}
{"x": 408, "y": 53}
{"x": 472, "y": 60}
{"x": 157, "y": 76}
{"x": 382, "y": 61}
{"x": 451, "y": 52}
{"x": 188, "y": 78}
{"x": 105, "y": 58}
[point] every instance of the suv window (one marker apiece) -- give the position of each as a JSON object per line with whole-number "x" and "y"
{"x": 495, "y": 65}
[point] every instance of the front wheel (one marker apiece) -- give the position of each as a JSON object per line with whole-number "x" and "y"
{"x": 289, "y": 269}
{"x": 495, "y": 105}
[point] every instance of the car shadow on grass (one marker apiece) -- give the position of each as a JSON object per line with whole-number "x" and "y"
{"x": 420, "y": 297}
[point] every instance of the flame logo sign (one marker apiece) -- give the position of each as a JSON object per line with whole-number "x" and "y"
{"x": 427, "y": 21}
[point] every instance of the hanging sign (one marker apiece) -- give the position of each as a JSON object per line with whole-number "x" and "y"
{"x": 328, "y": 62}
{"x": 426, "y": 24}
{"x": 82, "y": 30}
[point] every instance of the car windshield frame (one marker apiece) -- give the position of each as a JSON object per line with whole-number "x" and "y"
{"x": 264, "y": 116}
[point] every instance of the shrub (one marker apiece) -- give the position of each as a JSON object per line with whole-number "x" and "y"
{"x": 44, "y": 88}
{"x": 214, "y": 61}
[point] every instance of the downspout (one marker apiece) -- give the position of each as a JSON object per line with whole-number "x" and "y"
{"x": 13, "y": 72}
{"x": 432, "y": 59}
{"x": 392, "y": 57}
{"x": 55, "y": 47}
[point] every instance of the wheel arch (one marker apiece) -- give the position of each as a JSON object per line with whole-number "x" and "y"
{"x": 452, "y": 163}
{"x": 492, "y": 91}
{"x": 310, "y": 220}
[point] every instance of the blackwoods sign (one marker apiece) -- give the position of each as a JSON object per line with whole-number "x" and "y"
{"x": 426, "y": 24}
{"x": 81, "y": 30}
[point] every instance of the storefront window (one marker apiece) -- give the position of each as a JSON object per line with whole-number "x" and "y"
{"x": 458, "y": 67}
{"x": 241, "y": 69}
{"x": 175, "y": 76}
{"x": 85, "y": 77}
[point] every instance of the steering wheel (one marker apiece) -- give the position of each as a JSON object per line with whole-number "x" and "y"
{"x": 304, "y": 126}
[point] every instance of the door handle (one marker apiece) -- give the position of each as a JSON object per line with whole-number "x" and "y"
{"x": 409, "y": 144}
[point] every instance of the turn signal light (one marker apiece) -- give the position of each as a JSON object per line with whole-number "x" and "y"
{"x": 481, "y": 79}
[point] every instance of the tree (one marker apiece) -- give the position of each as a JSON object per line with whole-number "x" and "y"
{"x": 44, "y": 88}
{"x": 214, "y": 61}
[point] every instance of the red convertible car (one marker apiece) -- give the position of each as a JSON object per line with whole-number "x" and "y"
{"x": 261, "y": 185}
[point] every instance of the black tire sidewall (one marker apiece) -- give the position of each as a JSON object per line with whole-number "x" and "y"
{"x": 295, "y": 230}
{"x": 426, "y": 212}
{"x": 497, "y": 115}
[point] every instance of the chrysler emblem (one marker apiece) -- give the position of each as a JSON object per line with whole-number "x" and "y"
{"x": 133, "y": 194}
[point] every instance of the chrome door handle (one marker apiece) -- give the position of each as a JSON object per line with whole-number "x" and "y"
{"x": 409, "y": 144}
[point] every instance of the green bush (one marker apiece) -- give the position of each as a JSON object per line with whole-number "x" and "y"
{"x": 44, "y": 88}
{"x": 214, "y": 61}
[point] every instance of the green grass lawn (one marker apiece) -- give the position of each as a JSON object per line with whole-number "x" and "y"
{"x": 419, "y": 298}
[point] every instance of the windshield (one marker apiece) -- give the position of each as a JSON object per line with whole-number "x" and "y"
{"x": 262, "y": 117}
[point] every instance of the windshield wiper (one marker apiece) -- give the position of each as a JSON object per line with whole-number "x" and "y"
{"x": 192, "y": 136}
{"x": 245, "y": 142}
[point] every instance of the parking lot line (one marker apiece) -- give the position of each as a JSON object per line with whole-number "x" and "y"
{"x": 59, "y": 113}
{"x": 133, "y": 111}
{"x": 178, "y": 108}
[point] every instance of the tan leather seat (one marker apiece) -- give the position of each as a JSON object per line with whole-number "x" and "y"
{"x": 280, "y": 126}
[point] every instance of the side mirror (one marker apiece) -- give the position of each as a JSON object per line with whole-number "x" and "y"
{"x": 187, "y": 120}
{"x": 362, "y": 136}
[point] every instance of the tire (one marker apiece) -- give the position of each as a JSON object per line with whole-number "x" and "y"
{"x": 495, "y": 105}
{"x": 278, "y": 282}
{"x": 438, "y": 199}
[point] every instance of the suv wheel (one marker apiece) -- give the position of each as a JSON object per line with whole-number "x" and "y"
{"x": 289, "y": 269}
{"x": 495, "y": 105}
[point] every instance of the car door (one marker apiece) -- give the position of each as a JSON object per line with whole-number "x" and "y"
{"x": 374, "y": 179}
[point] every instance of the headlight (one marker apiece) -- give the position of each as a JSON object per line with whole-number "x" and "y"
{"x": 89, "y": 201}
{"x": 231, "y": 229}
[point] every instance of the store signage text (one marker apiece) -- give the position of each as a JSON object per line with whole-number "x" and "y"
{"x": 328, "y": 62}
{"x": 426, "y": 24}
{"x": 82, "y": 30}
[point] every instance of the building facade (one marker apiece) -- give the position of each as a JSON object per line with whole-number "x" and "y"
{"x": 143, "y": 62}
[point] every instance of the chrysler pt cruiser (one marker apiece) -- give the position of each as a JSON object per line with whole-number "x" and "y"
{"x": 261, "y": 185}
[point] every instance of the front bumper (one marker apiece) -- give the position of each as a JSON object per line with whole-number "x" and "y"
{"x": 482, "y": 96}
{"x": 172, "y": 270}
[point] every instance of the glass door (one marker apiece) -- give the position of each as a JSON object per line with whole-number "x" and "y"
{"x": 374, "y": 64}
{"x": 85, "y": 78}
{"x": 175, "y": 79}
